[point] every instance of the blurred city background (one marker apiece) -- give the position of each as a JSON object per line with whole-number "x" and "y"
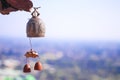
{"x": 82, "y": 41}
{"x": 61, "y": 60}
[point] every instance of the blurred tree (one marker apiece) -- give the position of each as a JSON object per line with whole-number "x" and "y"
{"x": 8, "y": 78}
{"x": 30, "y": 77}
{"x": 18, "y": 78}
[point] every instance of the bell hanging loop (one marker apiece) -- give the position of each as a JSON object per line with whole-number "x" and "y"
{"x": 35, "y": 26}
{"x": 35, "y": 13}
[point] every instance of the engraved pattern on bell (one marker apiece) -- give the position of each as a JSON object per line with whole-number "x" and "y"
{"x": 35, "y": 27}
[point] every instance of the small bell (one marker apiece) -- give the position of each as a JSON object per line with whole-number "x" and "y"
{"x": 38, "y": 66}
{"x": 27, "y": 68}
{"x": 35, "y": 26}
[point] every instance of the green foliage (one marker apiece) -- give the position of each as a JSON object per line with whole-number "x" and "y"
{"x": 8, "y": 78}
{"x": 30, "y": 77}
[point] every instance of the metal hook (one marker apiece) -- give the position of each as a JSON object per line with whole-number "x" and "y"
{"x": 35, "y": 13}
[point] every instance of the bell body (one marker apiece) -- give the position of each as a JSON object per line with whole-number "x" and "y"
{"x": 35, "y": 27}
{"x": 27, "y": 68}
{"x": 38, "y": 66}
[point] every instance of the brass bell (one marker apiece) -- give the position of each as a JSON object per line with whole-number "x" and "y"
{"x": 38, "y": 66}
{"x": 27, "y": 68}
{"x": 35, "y": 26}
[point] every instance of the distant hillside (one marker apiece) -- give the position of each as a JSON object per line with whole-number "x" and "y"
{"x": 75, "y": 49}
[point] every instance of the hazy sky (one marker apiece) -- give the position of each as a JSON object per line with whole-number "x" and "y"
{"x": 69, "y": 19}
